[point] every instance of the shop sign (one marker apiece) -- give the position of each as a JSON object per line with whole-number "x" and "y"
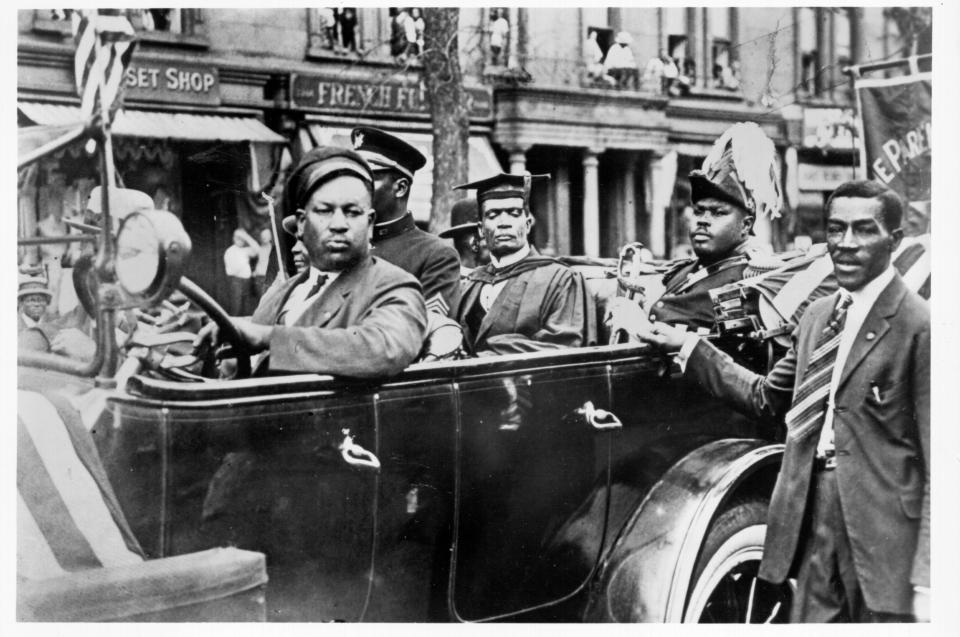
{"x": 172, "y": 82}
{"x": 382, "y": 97}
{"x": 823, "y": 177}
{"x": 828, "y": 128}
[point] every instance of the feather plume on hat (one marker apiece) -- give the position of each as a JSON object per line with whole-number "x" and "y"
{"x": 754, "y": 171}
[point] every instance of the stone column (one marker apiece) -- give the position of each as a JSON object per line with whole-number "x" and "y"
{"x": 591, "y": 202}
{"x": 659, "y": 177}
{"x": 628, "y": 225}
{"x": 518, "y": 159}
{"x": 560, "y": 228}
{"x": 513, "y": 59}
{"x": 857, "y": 45}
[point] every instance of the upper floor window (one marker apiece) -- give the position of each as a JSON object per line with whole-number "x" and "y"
{"x": 725, "y": 68}
{"x": 809, "y": 52}
{"x": 498, "y": 36}
{"x": 367, "y": 33}
{"x": 155, "y": 25}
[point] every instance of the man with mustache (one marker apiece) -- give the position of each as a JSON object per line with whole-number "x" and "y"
{"x": 850, "y": 512}
{"x": 520, "y": 301}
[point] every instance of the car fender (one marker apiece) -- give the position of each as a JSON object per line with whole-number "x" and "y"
{"x": 646, "y": 575}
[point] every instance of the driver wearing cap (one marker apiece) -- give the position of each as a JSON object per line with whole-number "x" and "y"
{"x": 349, "y": 313}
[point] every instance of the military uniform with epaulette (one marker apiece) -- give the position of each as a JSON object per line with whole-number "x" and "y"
{"x": 396, "y": 237}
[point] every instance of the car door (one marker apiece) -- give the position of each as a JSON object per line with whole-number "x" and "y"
{"x": 257, "y": 465}
{"x": 531, "y": 482}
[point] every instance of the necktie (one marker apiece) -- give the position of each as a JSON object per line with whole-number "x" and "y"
{"x": 810, "y": 400}
{"x": 321, "y": 281}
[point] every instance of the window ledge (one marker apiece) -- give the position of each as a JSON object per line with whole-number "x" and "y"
{"x": 714, "y": 94}
{"x": 367, "y": 58}
{"x": 163, "y": 38}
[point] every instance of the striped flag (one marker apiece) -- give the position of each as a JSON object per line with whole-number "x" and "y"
{"x": 105, "y": 45}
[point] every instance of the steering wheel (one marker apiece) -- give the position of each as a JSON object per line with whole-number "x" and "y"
{"x": 228, "y": 331}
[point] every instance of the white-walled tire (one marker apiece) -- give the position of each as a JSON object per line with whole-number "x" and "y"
{"x": 725, "y": 587}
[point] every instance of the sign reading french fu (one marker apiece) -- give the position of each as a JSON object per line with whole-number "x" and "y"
{"x": 172, "y": 82}
{"x": 381, "y": 97}
{"x": 897, "y": 137}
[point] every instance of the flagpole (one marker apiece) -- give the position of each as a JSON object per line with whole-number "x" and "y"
{"x": 106, "y": 264}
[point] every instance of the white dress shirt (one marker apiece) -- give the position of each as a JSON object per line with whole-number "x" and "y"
{"x": 489, "y": 293}
{"x": 297, "y": 303}
{"x": 236, "y": 262}
{"x": 863, "y": 300}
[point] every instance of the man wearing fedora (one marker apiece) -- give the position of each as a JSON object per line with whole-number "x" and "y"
{"x": 349, "y": 313}
{"x": 396, "y": 238}
{"x": 465, "y": 232}
{"x": 33, "y": 299}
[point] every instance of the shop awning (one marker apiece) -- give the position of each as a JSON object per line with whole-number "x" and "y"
{"x": 482, "y": 161}
{"x": 160, "y": 125}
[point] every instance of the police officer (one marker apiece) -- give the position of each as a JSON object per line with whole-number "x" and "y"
{"x": 396, "y": 237}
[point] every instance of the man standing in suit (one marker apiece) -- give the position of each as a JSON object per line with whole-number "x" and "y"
{"x": 520, "y": 301}
{"x": 348, "y": 313}
{"x": 396, "y": 238}
{"x": 851, "y": 507}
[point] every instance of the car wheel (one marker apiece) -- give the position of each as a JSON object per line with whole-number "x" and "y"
{"x": 725, "y": 587}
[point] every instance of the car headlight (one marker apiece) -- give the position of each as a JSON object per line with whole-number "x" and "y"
{"x": 152, "y": 249}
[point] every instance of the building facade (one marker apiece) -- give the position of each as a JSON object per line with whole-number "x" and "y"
{"x": 218, "y": 102}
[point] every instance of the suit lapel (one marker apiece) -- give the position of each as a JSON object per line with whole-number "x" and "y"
{"x": 329, "y": 302}
{"x": 876, "y": 323}
{"x": 271, "y": 306}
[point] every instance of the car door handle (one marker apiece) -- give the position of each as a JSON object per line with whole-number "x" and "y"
{"x": 355, "y": 455}
{"x": 599, "y": 419}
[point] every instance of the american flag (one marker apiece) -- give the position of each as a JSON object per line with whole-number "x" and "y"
{"x": 105, "y": 45}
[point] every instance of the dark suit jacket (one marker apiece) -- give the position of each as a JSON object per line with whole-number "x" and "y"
{"x": 883, "y": 469}
{"x": 369, "y": 323}
{"x": 426, "y": 256}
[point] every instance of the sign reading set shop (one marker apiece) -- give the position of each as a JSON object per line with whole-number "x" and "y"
{"x": 169, "y": 82}
{"x": 357, "y": 96}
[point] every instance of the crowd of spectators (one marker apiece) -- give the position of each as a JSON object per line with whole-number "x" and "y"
{"x": 674, "y": 76}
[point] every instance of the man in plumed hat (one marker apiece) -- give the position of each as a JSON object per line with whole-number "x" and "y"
{"x": 396, "y": 237}
{"x": 521, "y": 301}
{"x": 349, "y": 313}
{"x": 465, "y": 231}
{"x": 739, "y": 181}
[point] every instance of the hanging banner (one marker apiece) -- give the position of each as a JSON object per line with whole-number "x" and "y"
{"x": 896, "y": 134}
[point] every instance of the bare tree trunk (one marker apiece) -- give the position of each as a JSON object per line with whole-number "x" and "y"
{"x": 448, "y": 110}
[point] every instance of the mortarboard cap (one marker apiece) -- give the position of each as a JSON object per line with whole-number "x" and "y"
{"x": 383, "y": 150}
{"x": 503, "y": 186}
